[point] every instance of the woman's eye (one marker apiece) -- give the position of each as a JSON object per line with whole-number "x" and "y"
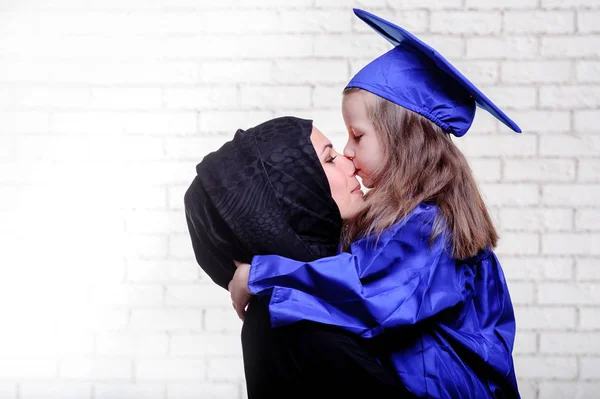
{"x": 357, "y": 138}
{"x": 330, "y": 159}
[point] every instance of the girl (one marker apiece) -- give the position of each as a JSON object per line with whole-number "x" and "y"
{"x": 419, "y": 277}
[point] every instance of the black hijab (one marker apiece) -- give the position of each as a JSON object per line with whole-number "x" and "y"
{"x": 263, "y": 192}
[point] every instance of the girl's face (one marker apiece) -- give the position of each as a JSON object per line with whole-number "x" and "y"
{"x": 363, "y": 146}
{"x": 345, "y": 187}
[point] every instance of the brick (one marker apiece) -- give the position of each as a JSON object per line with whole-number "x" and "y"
{"x": 230, "y": 121}
{"x": 182, "y": 122}
{"x": 536, "y": 71}
{"x": 166, "y": 319}
{"x": 522, "y": 293}
{"x": 572, "y": 390}
{"x": 569, "y": 145}
{"x": 240, "y": 71}
{"x": 537, "y": 268}
{"x": 415, "y": 21}
{"x": 587, "y": 219}
{"x": 14, "y": 122}
{"x": 536, "y": 219}
{"x": 221, "y": 320}
{"x": 154, "y": 221}
{"x": 570, "y": 97}
{"x": 125, "y": 343}
{"x": 590, "y": 367}
{"x": 588, "y": 269}
{"x": 508, "y": 4}
{"x": 587, "y": 121}
{"x": 512, "y": 97}
{"x": 326, "y": 97}
{"x": 342, "y": 3}
{"x": 571, "y": 194}
{"x": 546, "y": 318}
{"x": 205, "y": 295}
{"x": 212, "y": 22}
{"x": 527, "y": 388}
{"x": 571, "y": 243}
{"x": 448, "y": 46}
{"x": 466, "y": 22}
{"x": 52, "y": 344}
{"x": 176, "y": 193}
{"x": 152, "y": 173}
{"x": 215, "y": 390}
{"x": 312, "y": 21}
{"x": 555, "y": 367}
{"x": 589, "y": 170}
{"x": 542, "y": 121}
{"x": 105, "y": 72}
{"x": 509, "y": 47}
{"x": 52, "y": 148}
{"x": 525, "y": 343}
{"x": 510, "y": 194}
{"x": 479, "y": 72}
{"x": 21, "y": 367}
{"x": 55, "y": 390}
{"x": 569, "y": 4}
{"x": 587, "y": 21}
{"x": 130, "y": 295}
{"x": 569, "y": 293}
{"x": 505, "y": 145}
{"x": 569, "y": 46}
{"x": 367, "y": 45}
{"x": 7, "y": 148}
{"x": 486, "y": 170}
{"x": 170, "y": 369}
{"x": 539, "y": 170}
{"x": 206, "y": 345}
{"x": 126, "y": 98}
{"x": 589, "y": 318}
{"x": 261, "y": 97}
{"x": 162, "y": 271}
{"x": 518, "y": 243}
{"x": 95, "y": 368}
{"x": 587, "y": 71}
{"x": 139, "y": 196}
{"x": 201, "y": 98}
{"x": 570, "y": 342}
{"x": 8, "y": 390}
{"x": 43, "y": 97}
{"x": 18, "y": 71}
{"x": 226, "y": 369}
{"x": 96, "y": 318}
{"x": 180, "y": 247}
{"x": 310, "y": 72}
{"x": 539, "y": 22}
{"x": 129, "y": 390}
{"x": 138, "y": 148}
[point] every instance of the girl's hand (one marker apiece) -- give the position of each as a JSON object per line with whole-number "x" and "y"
{"x": 238, "y": 288}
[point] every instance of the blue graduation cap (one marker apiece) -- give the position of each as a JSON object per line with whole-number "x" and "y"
{"x": 415, "y": 76}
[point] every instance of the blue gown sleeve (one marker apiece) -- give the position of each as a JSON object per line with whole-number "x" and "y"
{"x": 398, "y": 280}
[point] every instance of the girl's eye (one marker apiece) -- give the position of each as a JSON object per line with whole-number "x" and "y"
{"x": 357, "y": 138}
{"x": 330, "y": 159}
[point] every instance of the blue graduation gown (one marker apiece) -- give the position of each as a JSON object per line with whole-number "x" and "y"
{"x": 448, "y": 324}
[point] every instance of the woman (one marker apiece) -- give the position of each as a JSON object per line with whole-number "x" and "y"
{"x": 275, "y": 188}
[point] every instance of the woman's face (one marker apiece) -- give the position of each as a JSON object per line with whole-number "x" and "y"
{"x": 345, "y": 187}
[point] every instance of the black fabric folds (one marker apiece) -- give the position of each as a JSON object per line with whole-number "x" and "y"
{"x": 263, "y": 192}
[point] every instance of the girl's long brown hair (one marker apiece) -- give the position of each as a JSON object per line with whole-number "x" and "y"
{"x": 422, "y": 165}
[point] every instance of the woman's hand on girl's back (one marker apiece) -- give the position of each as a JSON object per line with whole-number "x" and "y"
{"x": 238, "y": 288}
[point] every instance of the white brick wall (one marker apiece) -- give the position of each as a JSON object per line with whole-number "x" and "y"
{"x": 107, "y": 105}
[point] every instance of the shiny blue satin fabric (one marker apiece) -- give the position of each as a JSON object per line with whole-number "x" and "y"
{"x": 449, "y": 325}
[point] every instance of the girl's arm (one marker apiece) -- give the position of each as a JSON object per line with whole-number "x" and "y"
{"x": 399, "y": 281}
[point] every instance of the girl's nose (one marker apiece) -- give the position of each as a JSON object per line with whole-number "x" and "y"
{"x": 348, "y": 152}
